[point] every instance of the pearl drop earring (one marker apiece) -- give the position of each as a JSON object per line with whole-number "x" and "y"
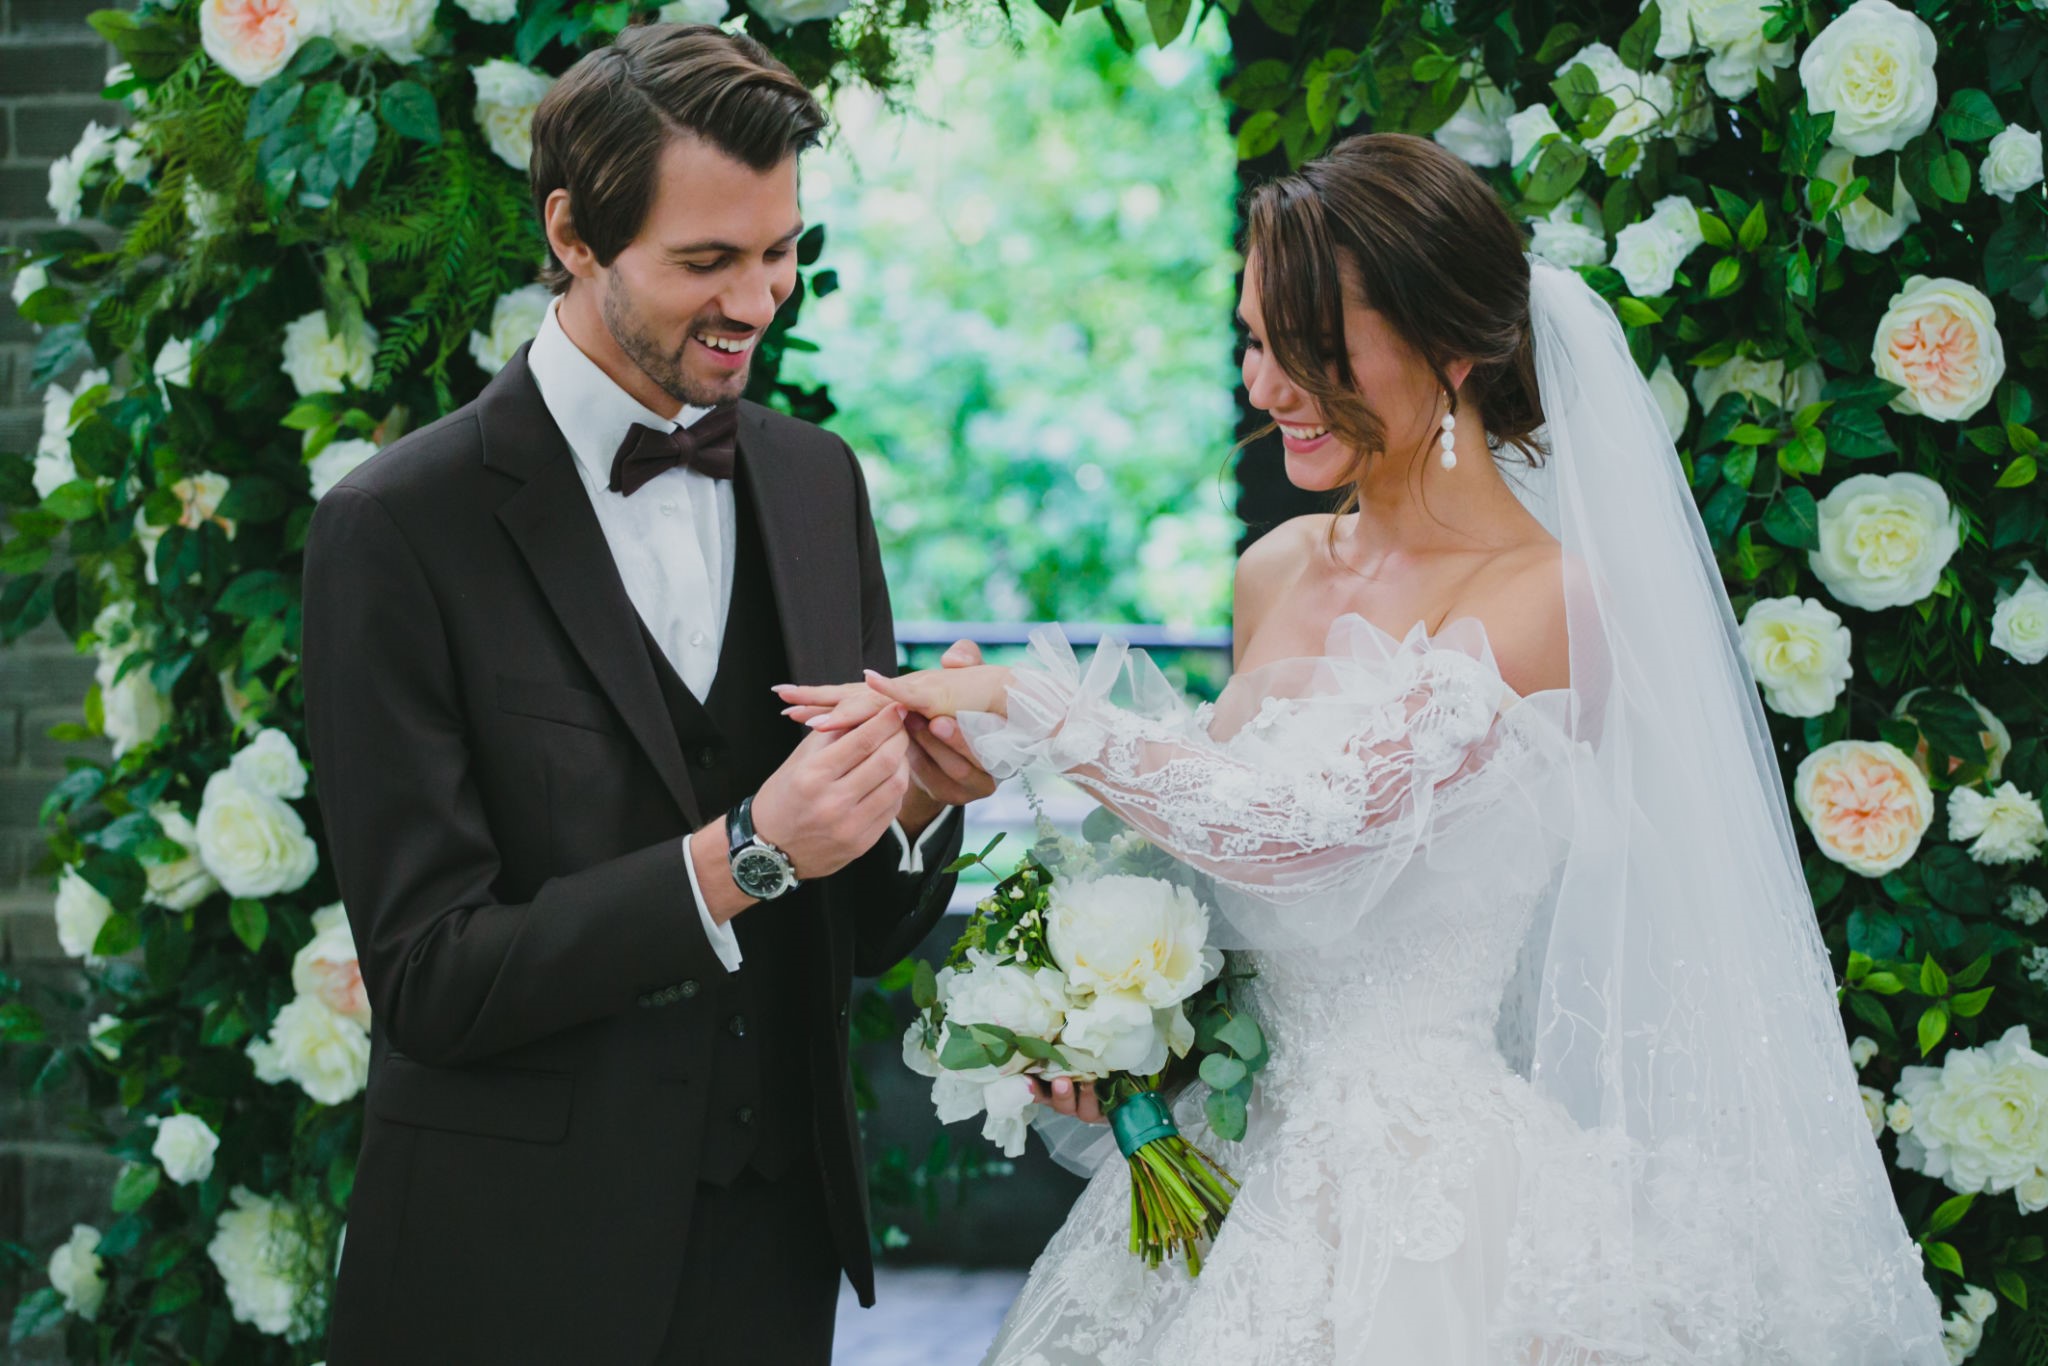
{"x": 1447, "y": 438}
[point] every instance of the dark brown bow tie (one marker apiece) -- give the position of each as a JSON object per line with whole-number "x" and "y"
{"x": 706, "y": 447}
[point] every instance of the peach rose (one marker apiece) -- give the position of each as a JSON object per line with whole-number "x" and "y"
{"x": 1865, "y": 802}
{"x": 252, "y": 40}
{"x": 1939, "y": 338}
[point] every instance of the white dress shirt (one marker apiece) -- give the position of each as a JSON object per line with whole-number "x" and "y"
{"x": 673, "y": 541}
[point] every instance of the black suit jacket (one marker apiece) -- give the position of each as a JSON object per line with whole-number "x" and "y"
{"x": 505, "y": 797}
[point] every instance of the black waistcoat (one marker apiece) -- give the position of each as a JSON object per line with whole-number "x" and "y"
{"x": 758, "y": 1094}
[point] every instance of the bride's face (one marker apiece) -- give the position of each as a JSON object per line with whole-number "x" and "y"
{"x": 1392, "y": 380}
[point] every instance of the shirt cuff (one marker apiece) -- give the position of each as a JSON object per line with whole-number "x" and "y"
{"x": 912, "y": 860}
{"x": 724, "y": 942}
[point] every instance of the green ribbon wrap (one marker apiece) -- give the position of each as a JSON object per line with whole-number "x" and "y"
{"x": 1139, "y": 1121}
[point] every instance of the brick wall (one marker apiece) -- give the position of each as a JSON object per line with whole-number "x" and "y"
{"x": 51, "y": 70}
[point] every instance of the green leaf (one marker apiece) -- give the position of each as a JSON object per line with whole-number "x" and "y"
{"x": 924, "y": 986}
{"x": 1241, "y": 1035}
{"x": 1806, "y": 137}
{"x": 1724, "y": 277}
{"x": 2019, "y": 473}
{"x": 250, "y": 920}
{"x": 1638, "y": 48}
{"x": 1556, "y": 172}
{"x": 179, "y": 1290}
{"x": 1753, "y": 229}
{"x": 1267, "y": 84}
{"x": 1933, "y": 1027}
{"x": 1883, "y": 983}
{"x": 1259, "y": 135}
{"x": 2011, "y": 1286}
{"x": 1714, "y": 231}
{"x": 258, "y": 593}
{"x": 133, "y": 1187}
{"x": 1283, "y": 16}
{"x": 1971, "y": 117}
{"x": 1221, "y": 1071}
{"x": 1225, "y": 1112}
{"x": 1636, "y": 313}
{"x": 1971, "y": 1003}
{"x": 38, "y": 1312}
{"x": 1968, "y": 977}
{"x": 1793, "y": 519}
{"x": 409, "y": 108}
{"x": 1990, "y": 440}
{"x": 1933, "y": 981}
{"x": 117, "y": 936}
{"x": 1858, "y": 433}
{"x": 73, "y": 502}
{"x": 1949, "y": 1213}
{"x": 1944, "y": 1256}
{"x": 19, "y": 1023}
{"x": 1168, "y": 18}
{"x": 1739, "y": 466}
{"x": 1948, "y": 175}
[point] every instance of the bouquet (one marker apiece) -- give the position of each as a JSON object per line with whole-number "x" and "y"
{"x": 1091, "y": 961}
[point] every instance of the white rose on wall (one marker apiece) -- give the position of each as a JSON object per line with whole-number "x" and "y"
{"x": 260, "y": 1252}
{"x": 335, "y": 462}
{"x": 782, "y": 14}
{"x": 323, "y": 1051}
{"x": 515, "y": 320}
{"x": 1672, "y": 403}
{"x": 2028, "y": 905}
{"x": 100, "y": 1034}
{"x": 2005, "y": 826}
{"x": 1865, "y": 226}
{"x": 173, "y": 364}
{"x": 252, "y": 40}
{"x": 1648, "y": 255}
{"x": 1939, "y": 338}
{"x": 53, "y": 465}
{"x": 1477, "y": 133}
{"x": 1568, "y": 244}
{"x": 320, "y": 362}
{"x": 2012, "y": 163}
{"x": 199, "y": 497}
{"x": 1799, "y": 652}
{"x": 1641, "y": 100}
{"x": 1996, "y": 738}
{"x": 1763, "y": 381}
{"x": 506, "y": 94}
{"x": 132, "y": 711}
{"x": 1884, "y": 539}
{"x": 270, "y": 763}
{"x": 182, "y": 883}
{"x": 252, "y": 842}
{"x": 131, "y": 159}
{"x": 1873, "y": 69}
{"x": 205, "y": 210}
{"x": 694, "y": 11}
{"x": 68, "y": 172}
{"x": 2019, "y": 622}
{"x": 1865, "y": 802}
{"x": 81, "y": 912}
{"x": 1527, "y": 129}
{"x": 1873, "y": 1108}
{"x": 75, "y": 1272}
{"x": 327, "y": 970}
{"x": 28, "y": 280}
{"x": 185, "y": 1146}
{"x": 1135, "y": 934}
{"x": 399, "y": 29}
{"x": 1732, "y": 31}
{"x": 490, "y": 11}
{"x": 1980, "y": 1120}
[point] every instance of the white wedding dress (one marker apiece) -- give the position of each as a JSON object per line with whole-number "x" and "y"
{"x": 1558, "y": 1072}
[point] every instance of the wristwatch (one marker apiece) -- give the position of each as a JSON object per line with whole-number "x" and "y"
{"x": 762, "y": 871}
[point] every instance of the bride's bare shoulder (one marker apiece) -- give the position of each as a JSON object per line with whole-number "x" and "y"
{"x": 1273, "y": 562}
{"x": 1521, "y": 602}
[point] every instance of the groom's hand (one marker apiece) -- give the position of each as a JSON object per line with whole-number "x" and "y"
{"x": 942, "y": 766}
{"x": 836, "y": 794}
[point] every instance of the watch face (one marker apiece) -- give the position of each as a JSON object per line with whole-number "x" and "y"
{"x": 760, "y": 874}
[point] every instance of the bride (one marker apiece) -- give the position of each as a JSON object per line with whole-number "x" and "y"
{"x": 1492, "y": 814}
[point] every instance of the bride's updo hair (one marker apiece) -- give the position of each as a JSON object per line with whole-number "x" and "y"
{"x": 1430, "y": 246}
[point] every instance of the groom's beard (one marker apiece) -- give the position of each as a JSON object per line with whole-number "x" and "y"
{"x": 669, "y": 369}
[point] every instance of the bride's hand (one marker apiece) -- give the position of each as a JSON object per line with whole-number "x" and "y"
{"x": 1069, "y": 1099}
{"x": 929, "y": 692}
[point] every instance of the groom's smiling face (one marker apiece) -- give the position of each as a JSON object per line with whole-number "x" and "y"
{"x": 689, "y": 298}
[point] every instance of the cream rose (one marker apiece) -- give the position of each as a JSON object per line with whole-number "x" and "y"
{"x": 323, "y": 1051}
{"x": 515, "y": 320}
{"x": 399, "y": 29}
{"x": 1865, "y": 802}
{"x": 1672, "y": 403}
{"x": 326, "y": 967}
{"x": 199, "y": 497}
{"x": 270, "y": 764}
{"x": 1980, "y": 1120}
{"x": 1884, "y": 539}
{"x": 1799, "y": 652}
{"x": 182, "y": 883}
{"x": 1873, "y": 69}
{"x": 185, "y": 1146}
{"x": 506, "y": 94}
{"x": 1135, "y": 934}
{"x": 2019, "y": 622}
{"x": 81, "y": 913}
{"x": 260, "y": 1250}
{"x": 2012, "y": 163}
{"x": 252, "y": 40}
{"x": 319, "y": 362}
{"x": 1997, "y": 739}
{"x": 75, "y": 1272}
{"x": 252, "y": 842}
{"x": 336, "y": 461}
{"x": 2005, "y": 826}
{"x": 1865, "y": 226}
{"x": 1939, "y": 338}
{"x": 1477, "y": 133}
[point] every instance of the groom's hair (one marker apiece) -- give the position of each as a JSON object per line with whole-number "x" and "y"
{"x": 600, "y": 129}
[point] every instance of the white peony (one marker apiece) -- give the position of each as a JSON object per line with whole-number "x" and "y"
{"x": 68, "y": 172}
{"x": 270, "y": 764}
{"x": 2012, "y": 163}
{"x": 1672, "y": 403}
{"x": 2027, "y": 905}
{"x": 1865, "y": 802}
{"x": 515, "y": 320}
{"x": 99, "y": 1035}
{"x": 1763, "y": 381}
{"x": 693, "y": 11}
{"x": 1477, "y": 133}
{"x": 1884, "y": 539}
{"x": 489, "y": 11}
{"x": 2006, "y": 826}
{"x": 310, "y": 1043}
{"x": 182, "y": 883}
{"x": 1865, "y": 226}
{"x": 1799, "y": 651}
{"x": 81, "y": 912}
{"x": 253, "y": 40}
{"x": 185, "y": 1146}
{"x": 1861, "y": 1050}
{"x": 320, "y": 362}
{"x": 335, "y": 462}
{"x": 782, "y": 14}
{"x": 1641, "y": 100}
{"x": 1135, "y": 934}
{"x": 1648, "y": 255}
{"x": 506, "y": 94}
{"x": 261, "y": 1253}
{"x": 1939, "y": 338}
{"x": 399, "y": 29}
{"x": 326, "y": 967}
{"x": 1116, "y": 1032}
{"x": 75, "y": 1272}
{"x": 1873, "y": 69}
{"x": 1527, "y": 129}
{"x": 2019, "y": 622}
{"x": 1980, "y": 1120}
{"x": 1003, "y": 1101}
{"x": 53, "y": 465}
{"x": 255, "y": 844}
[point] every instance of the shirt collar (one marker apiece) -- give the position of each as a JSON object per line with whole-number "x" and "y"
{"x": 593, "y": 412}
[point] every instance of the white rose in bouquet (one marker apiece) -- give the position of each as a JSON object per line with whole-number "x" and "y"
{"x": 1477, "y": 133}
{"x": 252, "y": 842}
{"x": 185, "y": 1146}
{"x": 260, "y": 1251}
{"x": 1865, "y": 226}
{"x": 253, "y": 40}
{"x": 310, "y": 1043}
{"x": 1799, "y": 652}
{"x": 2005, "y": 826}
{"x": 53, "y": 465}
{"x": 1648, "y": 255}
{"x": 68, "y": 172}
{"x": 1003, "y": 1102}
{"x": 1866, "y": 803}
{"x": 1672, "y": 404}
{"x": 337, "y": 459}
{"x": 270, "y": 764}
{"x": 1884, "y": 539}
{"x": 81, "y": 912}
{"x": 1873, "y": 69}
{"x": 75, "y": 1272}
{"x": 515, "y": 320}
{"x": 319, "y": 362}
{"x": 326, "y": 968}
{"x": 2019, "y": 623}
{"x": 1134, "y": 934}
{"x": 1939, "y": 338}
{"x": 182, "y": 883}
{"x": 2012, "y": 163}
{"x": 1980, "y": 1120}
{"x": 506, "y": 95}
{"x": 400, "y": 29}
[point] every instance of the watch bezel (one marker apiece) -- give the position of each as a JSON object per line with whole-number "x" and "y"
{"x": 762, "y": 871}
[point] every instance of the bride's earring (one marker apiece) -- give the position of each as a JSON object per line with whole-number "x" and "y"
{"x": 1448, "y": 438}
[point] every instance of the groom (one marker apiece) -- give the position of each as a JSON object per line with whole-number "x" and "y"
{"x": 608, "y": 907}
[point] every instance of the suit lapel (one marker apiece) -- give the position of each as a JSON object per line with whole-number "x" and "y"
{"x": 817, "y": 590}
{"x": 550, "y": 519}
